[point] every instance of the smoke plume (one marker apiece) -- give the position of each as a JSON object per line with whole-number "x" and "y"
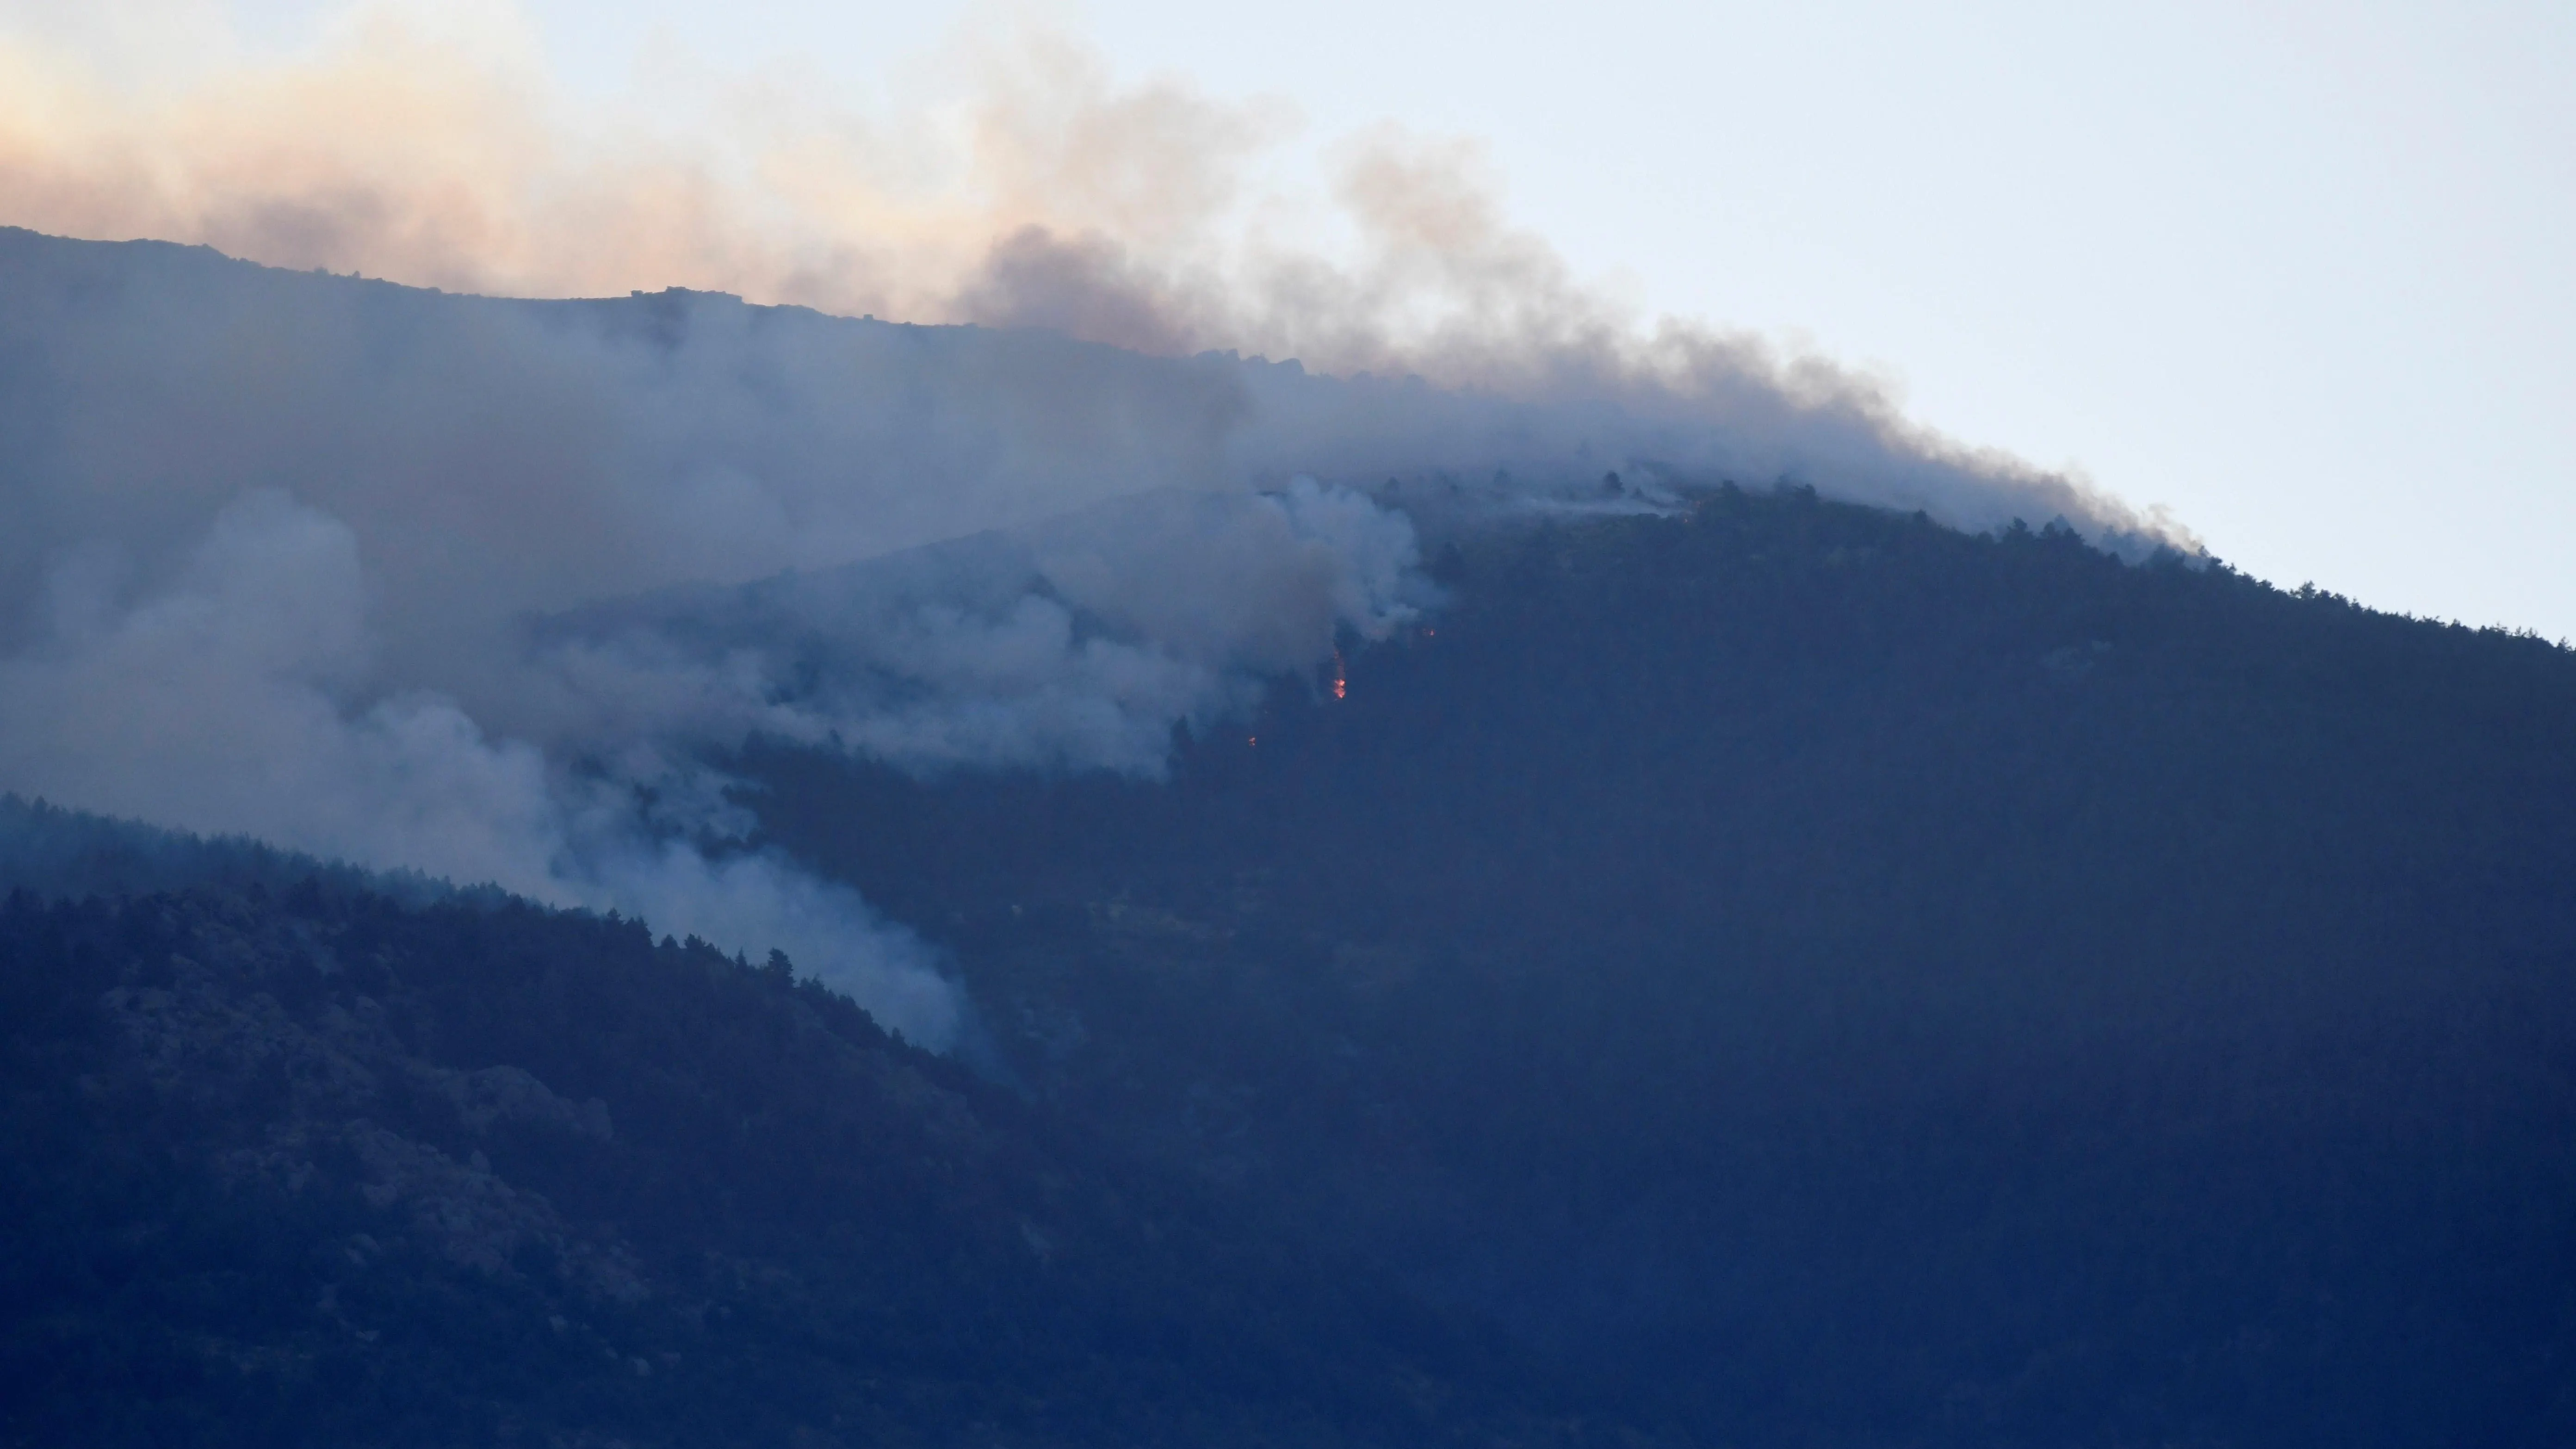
{"x": 476, "y": 586}
{"x": 1033, "y": 190}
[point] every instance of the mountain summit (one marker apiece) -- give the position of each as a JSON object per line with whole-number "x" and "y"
{"x": 1370, "y": 956}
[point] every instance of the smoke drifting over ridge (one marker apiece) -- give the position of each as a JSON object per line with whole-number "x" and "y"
{"x": 475, "y": 587}
{"x": 1033, "y": 189}
{"x": 472, "y": 586}
{"x": 295, "y": 556}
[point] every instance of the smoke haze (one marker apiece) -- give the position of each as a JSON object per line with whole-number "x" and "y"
{"x": 475, "y": 587}
{"x": 1027, "y": 187}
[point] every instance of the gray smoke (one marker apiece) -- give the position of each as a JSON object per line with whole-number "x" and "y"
{"x": 474, "y": 587}
{"x": 1075, "y": 643}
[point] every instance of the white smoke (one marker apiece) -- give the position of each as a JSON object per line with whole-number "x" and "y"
{"x": 476, "y": 587}
{"x": 1077, "y": 643}
{"x": 217, "y": 702}
{"x": 236, "y": 699}
{"x": 1029, "y": 188}
{"x": 296, "y": 555}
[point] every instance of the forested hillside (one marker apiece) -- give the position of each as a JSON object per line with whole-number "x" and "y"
{"x": 323, "y": 1168}
{"x": 1778, "y": 974}
{"x": 1846, "y": 981}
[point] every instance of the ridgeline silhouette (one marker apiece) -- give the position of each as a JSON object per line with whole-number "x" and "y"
{"x": 1783, "y": 973}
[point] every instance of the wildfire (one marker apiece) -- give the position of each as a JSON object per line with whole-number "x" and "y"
{"x": 1341, "y": 680}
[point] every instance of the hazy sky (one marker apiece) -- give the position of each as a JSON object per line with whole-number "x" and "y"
{"x": 2300, "y": 272}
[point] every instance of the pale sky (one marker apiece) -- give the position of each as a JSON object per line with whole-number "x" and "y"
{"x": 2300, "y": 272}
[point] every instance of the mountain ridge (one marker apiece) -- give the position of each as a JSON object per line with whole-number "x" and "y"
{"x": 1794, "y": 844}
{"x": 1750, "y": 969}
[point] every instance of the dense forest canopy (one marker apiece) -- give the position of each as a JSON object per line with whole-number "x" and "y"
{"x": 1846, "y": 979}
{"x": 1774, "y": 973}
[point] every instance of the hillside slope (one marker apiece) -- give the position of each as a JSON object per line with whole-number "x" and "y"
{"x": 1844, "y": 981}
{"x": 1777, "y": 974}
{"x": 323, "y": 1168}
